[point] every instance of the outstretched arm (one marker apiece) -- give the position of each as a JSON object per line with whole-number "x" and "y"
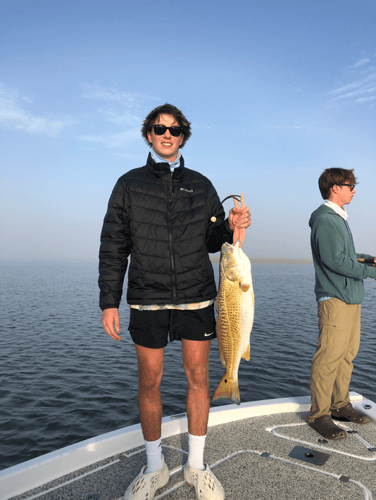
{"x": 328, "y": 242}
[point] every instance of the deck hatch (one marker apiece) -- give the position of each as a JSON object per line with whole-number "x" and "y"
{"x": 308, "y": 455}
{"x": 344, "y": 479}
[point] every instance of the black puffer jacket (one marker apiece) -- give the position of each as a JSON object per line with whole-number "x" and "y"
{"x": 163, "y": 222}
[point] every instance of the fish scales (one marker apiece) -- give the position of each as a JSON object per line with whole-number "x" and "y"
{"x": 235, "y": 308}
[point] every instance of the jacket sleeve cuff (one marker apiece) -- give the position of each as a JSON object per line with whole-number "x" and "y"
{"x": 227, "y": 226}
{"x": 109, "y": 306}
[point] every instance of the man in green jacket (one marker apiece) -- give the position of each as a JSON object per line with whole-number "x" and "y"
{"x": 339, "y": 292}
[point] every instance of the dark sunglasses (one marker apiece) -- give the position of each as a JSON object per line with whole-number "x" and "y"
{"x": 351, "y": 186}
{"x": 161, "y": 129}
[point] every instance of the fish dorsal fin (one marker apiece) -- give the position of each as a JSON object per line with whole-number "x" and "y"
{"x": 244, "y": 286}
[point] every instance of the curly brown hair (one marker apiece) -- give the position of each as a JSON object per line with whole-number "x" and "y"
{"x": 334, "y": 176}
{"x": 166, "y": 109}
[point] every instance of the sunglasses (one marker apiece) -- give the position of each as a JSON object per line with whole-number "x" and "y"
{"x": 351, "y": 186}
{"x": 161, "y": 129}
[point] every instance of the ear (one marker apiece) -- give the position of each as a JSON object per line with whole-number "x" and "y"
{"x": 149, "y": 137}
{"x": 181, "y": 139}
{"x": 334, "y": 189}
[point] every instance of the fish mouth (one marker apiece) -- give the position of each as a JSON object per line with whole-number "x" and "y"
{"x": 228, "y": 260}
{"x": 227, "y": 247}
{"x": 235, "y": 265}
{"x": 228, "y": 250}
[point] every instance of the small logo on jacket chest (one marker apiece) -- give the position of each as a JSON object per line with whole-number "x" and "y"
{"x": 187, "y": 190}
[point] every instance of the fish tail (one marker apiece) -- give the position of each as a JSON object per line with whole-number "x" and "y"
{"x": 227, "y": 389}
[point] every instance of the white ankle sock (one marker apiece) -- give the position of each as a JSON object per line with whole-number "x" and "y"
{"x": 154, "y": 455}
{"x": 196, "y": 451}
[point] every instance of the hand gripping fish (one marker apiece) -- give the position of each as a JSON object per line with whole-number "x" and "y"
{"x": 235, "y": 307}
{"x": 239, "y": 234}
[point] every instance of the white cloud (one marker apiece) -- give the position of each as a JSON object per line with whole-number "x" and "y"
{"x": 361, "y": 62}
{"x": 289, "y": 127}
{"x": 302, "y": 128}
{"x": 346, "y": 88}
{"x": 120, "y": 118}
{"x": 14, "y": 117}
{"x": 125, "y": 109}
{"x": 113, "y": 141}
{"x": 361, "y": 89}
{"x": 97, "y": 93}
{"x": 131, "y": 108}
{"x": 365, "y": 99}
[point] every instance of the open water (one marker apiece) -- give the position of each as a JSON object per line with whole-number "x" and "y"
{"x": 62, "y": 379}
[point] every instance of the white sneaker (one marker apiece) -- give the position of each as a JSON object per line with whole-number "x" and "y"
{"x": 144, "y": 486}
{"x": 205, "y": 483}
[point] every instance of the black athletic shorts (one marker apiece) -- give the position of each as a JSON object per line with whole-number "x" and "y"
{"x": 152, "y": 328}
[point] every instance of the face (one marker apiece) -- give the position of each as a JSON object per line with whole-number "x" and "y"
{"x": 345, "y": 195}
{"x": 166, "y": 146}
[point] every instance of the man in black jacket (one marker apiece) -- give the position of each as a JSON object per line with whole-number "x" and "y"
{"x": 167, "y": 218}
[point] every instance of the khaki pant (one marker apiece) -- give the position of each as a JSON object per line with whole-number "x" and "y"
{"x": 339, "y": 338}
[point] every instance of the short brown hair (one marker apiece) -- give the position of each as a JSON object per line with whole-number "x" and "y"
{"x": 166, "y": 109}
{"x": 334, "y": 176}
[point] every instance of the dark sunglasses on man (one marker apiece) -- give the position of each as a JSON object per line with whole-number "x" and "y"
{"x": 161, "y": 129}
{"x": 351, "y": 186}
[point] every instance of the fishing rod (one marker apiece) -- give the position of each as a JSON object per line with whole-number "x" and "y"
{"x": 234, "y": 196}
{"x": 366, "y": 261}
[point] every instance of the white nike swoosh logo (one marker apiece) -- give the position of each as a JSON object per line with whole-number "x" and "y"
{"x": 208, "y": 334}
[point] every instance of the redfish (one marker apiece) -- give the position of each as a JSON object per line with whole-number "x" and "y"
{"x": 235, "y": 307}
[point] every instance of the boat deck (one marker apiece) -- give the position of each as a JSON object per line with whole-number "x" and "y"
{"x": 266, "y": 451}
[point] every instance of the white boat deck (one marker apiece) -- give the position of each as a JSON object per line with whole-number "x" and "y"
{"x": 259, "y": 450}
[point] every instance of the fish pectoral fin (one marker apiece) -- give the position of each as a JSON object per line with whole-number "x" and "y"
{"x": 244, "y": 286}
{"x": 247, "y": 353}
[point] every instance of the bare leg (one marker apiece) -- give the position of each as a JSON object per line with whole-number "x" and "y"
{"x": 196, "y": 366}
{"x": 150, "y": 370}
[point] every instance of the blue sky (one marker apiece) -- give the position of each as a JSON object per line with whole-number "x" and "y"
{"x": 276, "y": 92}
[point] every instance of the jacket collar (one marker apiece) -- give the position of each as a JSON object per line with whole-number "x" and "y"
{"x": 338, "y": 210}
{"x": 163, "y": 169}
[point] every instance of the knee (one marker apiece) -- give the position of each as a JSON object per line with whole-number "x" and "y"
{"x": 197, "y": 376}
{"x": 150, "y": 380}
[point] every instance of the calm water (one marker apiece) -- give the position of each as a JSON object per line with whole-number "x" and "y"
{"x": 62, "y": 379}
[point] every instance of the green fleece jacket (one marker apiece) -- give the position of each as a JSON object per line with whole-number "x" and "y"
{"x": 338, "y": 273}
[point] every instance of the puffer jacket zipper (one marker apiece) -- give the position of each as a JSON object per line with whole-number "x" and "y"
{"x": 169, "y": 210}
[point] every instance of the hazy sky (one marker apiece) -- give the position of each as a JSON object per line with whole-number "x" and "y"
{"x": 276, "y": 91}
